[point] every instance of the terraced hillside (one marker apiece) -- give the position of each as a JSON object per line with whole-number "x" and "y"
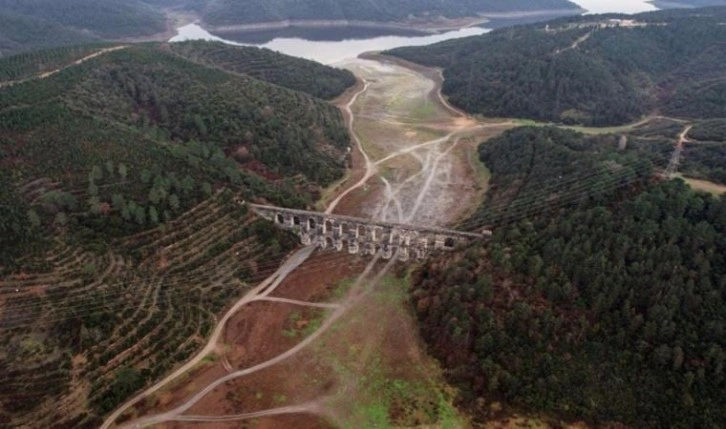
{"x": 122, "y": 233}
{"x": 88, "y": 328}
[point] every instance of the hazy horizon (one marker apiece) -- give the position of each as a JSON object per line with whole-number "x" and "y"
{"x": 610, "y": 6}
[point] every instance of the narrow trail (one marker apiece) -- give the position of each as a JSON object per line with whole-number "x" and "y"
{"x": 270, "y": 283}
{"x": 675, "y": 160}
{"x": 403, "y": 200}
{"x": 296, "y": 302}
{"x": 370, "y": 169}
{"x": 359, "y": 289}
{"x": 50, "y": 73}
{"x": 427, "y": 184}
{"x": 580, "y": 40}
{"x": 308, "y": 408}
{"x": 444, "y": 102}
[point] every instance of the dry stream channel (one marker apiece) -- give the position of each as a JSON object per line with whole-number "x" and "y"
{"x": 349, "y": 352}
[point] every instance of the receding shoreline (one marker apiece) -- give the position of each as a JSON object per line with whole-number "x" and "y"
{"x": 425, "y": 26}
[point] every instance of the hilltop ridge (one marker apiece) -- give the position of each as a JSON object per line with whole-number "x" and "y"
{"x": 122, "y": 234}
{"x": 591, "y": 70}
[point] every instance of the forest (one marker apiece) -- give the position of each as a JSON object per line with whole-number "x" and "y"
{"x": 267, "y": 65}
{"x": 123, "y": 228}
{"x": 144, "y": 126}
{"x": 611, "y": 309}
{"x": 32, "y": 24}
{"x": 538, "y": 168}
{"x": 580, "y": 71}
{"x": 227, "y": 12}
{"x": 29, "y": 64}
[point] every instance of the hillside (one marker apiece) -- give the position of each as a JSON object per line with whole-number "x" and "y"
{"x": 226, "y": 12}
{"x": 122, "y": 233}
{"x": 32, "y": 24}
{"x": 263, "y": 64}
{"x": 589, "y": 70}
{"x": 664, "y": 4}
{"x": 609, "y": 309}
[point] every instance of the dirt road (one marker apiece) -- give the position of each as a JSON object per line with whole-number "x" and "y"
{"x": 412, "y": 140}
{"x": 271, "y": 282}
{"x": 415, "y": 160}
{"x": 79, "y": 61}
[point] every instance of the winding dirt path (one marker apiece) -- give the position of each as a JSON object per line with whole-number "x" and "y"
{"x": 309, "y": 408}
{"x": 418, "y": 169}
{"x": 410, "y": 138}
{"x": 271, "y": 282}
{"x": 358, "y": 290}
{"x": 370, "y": 168}
{"x": 79, "y": 61}
{"x": 675, "y": 160}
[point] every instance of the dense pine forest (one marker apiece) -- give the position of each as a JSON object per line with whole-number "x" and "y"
{"x": 249, "y": 11}
{"x": 122, "y": 228}
{"x": 33, "y": 24}
{"x": 609, "y": 309}
{"x": 267, "y": 65}
{"x": 589, "y": 70}
{"x": 142, "y": 121}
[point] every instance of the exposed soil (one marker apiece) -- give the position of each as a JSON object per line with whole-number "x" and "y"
{"x": 368, "y": 367}
{"x": 419, "y": 146}
{"x": 256, "y": 333}
{"x": 296, "y": 421}
{"x": 705, "y": 186}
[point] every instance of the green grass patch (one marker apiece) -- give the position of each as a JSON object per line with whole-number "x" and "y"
{"x": 382, "y": 399}
{"x": 297, "y": 329}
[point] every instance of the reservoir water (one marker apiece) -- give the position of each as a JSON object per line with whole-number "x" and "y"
{"x": 336, "y": 44}
{"x": 327, "y": 51}
{"x": 333, "y": 45}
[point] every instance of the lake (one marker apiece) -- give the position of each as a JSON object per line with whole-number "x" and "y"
{"x": 335, "y": 44}
{"x": 335, "y": 51}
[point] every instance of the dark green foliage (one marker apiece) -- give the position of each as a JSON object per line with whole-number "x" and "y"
{"x": 576, "y": 72}
{"x": 107, "y": 19}
{"x": 22, "y": 66}
{"x": 705, "y": 161}
{"x": 535, "y": 168}
{"x": 610, "y": 312}
{"x": 32, "y": 24}
{"x": 140, "y": 135}
{"x": 709, "y": 131}
{"x": 20, "y": 33}
{"x": 16, "y": 231}
{"x": 126, "y": 381}
{"x": 293, "y": 73}
{"x": 249, "y": 11}
{"x": 704, "y": 156}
